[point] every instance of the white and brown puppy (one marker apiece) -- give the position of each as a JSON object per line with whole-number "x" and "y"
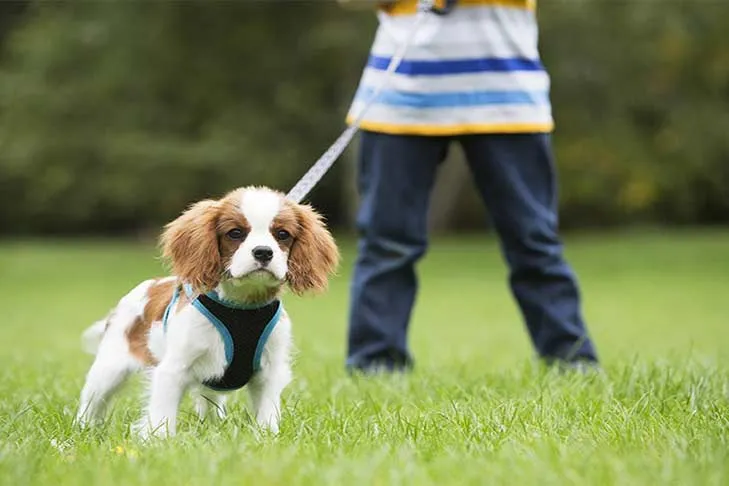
{"x": 240, "y": 251}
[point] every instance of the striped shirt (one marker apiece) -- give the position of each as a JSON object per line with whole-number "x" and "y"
{"x": 475, "y": 70}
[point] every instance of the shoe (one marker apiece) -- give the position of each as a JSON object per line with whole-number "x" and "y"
{"x": 378, "y": 368}
{"x": 583, "y": 366}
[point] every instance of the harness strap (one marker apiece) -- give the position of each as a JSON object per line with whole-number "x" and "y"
{"x": 170, "y": 306}
{"x": 220, "y": 326}
{"x": 264, "y": 337}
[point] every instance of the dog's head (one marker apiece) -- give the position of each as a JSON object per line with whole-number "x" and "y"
{"x": 251, "y": 242}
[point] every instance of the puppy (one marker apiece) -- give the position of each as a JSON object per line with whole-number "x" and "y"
{"x": 218, "y": 324}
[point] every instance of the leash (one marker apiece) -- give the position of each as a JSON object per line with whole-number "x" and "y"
{"x": 312, "y": 177}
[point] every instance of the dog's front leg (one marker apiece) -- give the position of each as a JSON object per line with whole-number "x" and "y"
{"x": 169, "y": 381}
{"x": 275, "y": 374}
{"x": 265, "y": 391}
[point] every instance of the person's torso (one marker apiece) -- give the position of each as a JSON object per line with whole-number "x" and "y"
{"x": 476, "y": 69}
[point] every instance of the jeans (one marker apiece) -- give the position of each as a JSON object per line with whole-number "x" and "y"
{"x": 515, "y": 176}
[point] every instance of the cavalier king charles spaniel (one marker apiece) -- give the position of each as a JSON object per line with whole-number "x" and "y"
{"x": 218, "y": 324}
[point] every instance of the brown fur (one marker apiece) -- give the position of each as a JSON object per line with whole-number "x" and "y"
{"x": 138, "y": 336}
{"x": 190, "y": 244}
{"x": 287, "y": 219}
{"x": 229, "y": 218}
{"x": 198, "y": 250}
{"x": 314, "y": 254}
{"x": 158, "y": 295}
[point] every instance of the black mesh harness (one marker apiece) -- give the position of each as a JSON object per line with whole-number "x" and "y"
{"x": 244, "y": 330}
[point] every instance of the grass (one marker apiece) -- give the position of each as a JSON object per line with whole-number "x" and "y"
{"x": 476, "y": 411}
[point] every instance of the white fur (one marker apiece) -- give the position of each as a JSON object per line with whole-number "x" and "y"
{"x": 191, "y": 351}
{"x": 113, "y": 362}
{"x": 91, "y": 337}
{"x": 259, "y": 206}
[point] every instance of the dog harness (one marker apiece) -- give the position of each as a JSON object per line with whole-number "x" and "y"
{"x": 244, "y": 331}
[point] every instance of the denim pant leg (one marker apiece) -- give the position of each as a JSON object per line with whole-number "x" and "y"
{"x": 395, "y": 176}
{"x": 516, "y": 178}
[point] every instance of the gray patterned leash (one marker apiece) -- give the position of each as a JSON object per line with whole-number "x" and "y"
{"x": 325, "y": 162}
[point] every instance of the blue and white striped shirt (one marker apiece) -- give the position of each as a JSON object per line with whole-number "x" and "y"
{"x": 475, "y": 70}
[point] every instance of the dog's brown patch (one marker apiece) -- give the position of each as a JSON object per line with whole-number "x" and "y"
{"x": 230, "y": 218}
{"x": 286, "y": 220}
{"x": 190, "y": 245}
{"x": 159, "y": 295}
{"x": 314, "y": 254}
{"x": 138, "y": 336}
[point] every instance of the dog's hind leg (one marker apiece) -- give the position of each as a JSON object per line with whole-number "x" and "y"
{"x": 102, "y": 380}
{"x": 113, "y": 364}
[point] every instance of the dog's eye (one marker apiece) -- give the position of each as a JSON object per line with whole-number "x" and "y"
{"x": 283, "y": 235}
{"x": 236, "y": 234}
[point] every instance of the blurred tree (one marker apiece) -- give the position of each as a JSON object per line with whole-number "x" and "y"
{"x": 115, "y": 115}
{"x": 11, "y": 12}
{"x": 641, "y": 103}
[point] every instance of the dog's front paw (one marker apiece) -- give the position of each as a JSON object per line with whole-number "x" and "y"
{"x": 144, "y": 430}
{"x": 141, "y": 430}
{"x": 268, "y": 422}
{"x": 83, "y": 421}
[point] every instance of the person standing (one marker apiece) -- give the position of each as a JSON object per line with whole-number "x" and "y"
{"x": 471, "y": 75}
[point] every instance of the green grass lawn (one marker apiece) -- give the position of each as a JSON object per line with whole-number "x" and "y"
{"x": 475, "y": 411}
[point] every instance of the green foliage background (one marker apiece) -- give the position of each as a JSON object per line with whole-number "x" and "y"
{"x": 115, "y": 115}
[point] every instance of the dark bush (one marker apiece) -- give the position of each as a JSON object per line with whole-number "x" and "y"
{"x": 115, "y": 115}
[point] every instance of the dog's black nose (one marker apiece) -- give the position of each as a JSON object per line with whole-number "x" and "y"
{"x": 263, "y": 254}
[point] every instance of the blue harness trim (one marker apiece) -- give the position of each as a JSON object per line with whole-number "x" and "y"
{"x": 264, "y": 338}
{"x": 220, "y": 327}
{"x": 170, "y": 306}
{"x": 244, "y": 321}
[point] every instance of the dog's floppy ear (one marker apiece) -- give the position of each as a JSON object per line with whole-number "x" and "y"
{"x": 314, "y": 255}
{"x": 190, "y": 245}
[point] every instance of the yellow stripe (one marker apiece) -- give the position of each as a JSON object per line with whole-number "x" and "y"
{"x": 462, "y": 129}
{"x": 409, "y": 7}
